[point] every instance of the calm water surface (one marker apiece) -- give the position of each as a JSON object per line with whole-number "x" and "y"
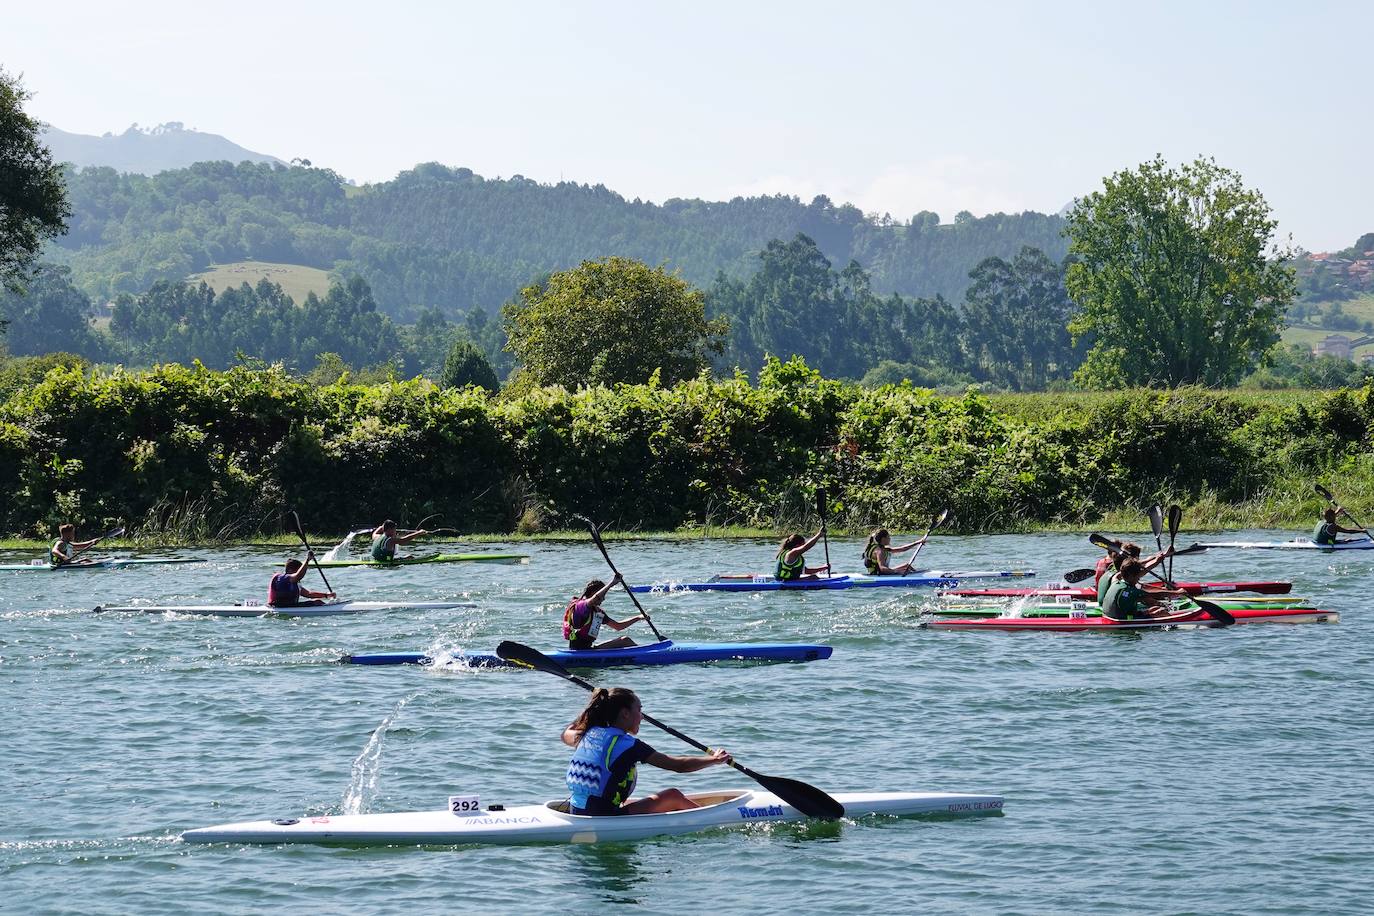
{"x": 1208, "y": 771}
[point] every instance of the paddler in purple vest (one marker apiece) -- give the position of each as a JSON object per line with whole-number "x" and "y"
{"x": 603, "y": 769}
{"x": 285, "y": 589}
{"x": 583, "y": 617}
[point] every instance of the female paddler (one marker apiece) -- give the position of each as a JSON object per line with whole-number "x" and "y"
{"x": 792, "y": 560}
{"x": 583, "y": 617}
{"x": 1111, "y": 571}
{"x": 602, "y": 772}
{"x": 1126, "y": 600}
{"x": 878, "y": 554}
{"x": 1326, "y": 530}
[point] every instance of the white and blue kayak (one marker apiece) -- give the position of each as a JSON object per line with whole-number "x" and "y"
{"x": 666, "y": 652}
{"x": 769, "y": 584}
{"x": 1299, "y": 544}
{"x": 102, "y": 563}
{"x": 257, "y": 609}
{"x": 551, "y": 822}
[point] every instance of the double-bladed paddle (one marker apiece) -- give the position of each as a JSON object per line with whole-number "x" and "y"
{"x": 820, "y": 510}
{"x": 300, "y": 533}
{"x": 805, "y": 798}
{"x": 596, "y": 536}
{"x": 1341, "y": 509}
{"x": 935, "y": 522}
{"x": 1175, "y": 519}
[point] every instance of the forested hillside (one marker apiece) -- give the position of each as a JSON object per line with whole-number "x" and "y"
{"x": 451, "y": 239}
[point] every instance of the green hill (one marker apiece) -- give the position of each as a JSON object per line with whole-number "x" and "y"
{"x": 296, "y": 279}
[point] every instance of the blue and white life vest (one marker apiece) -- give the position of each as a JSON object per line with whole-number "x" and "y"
{"x": 589, "y": 771}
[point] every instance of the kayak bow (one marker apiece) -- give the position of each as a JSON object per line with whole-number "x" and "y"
{"x": 508, "y": 558}
{"x": 254, "y": 609}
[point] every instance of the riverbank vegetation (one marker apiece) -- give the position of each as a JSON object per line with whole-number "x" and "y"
{"x": 205, "y": 455}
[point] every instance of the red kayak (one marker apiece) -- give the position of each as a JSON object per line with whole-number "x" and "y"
{"x": 1185, "y": 620}
{"x": 1192, "y": 588}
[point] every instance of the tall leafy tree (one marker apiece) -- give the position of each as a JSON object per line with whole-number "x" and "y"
{"x": 1016, "y": 313}
{"x": 49, "y": 316}
{"x": 466, "y": 364}
{"x": 1175, "y": 277}
{"x": 608, "y": 321}
{"x": 33, "y": 198}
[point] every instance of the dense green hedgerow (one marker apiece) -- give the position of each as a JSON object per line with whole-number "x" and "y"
{"x": 229, "y": 452}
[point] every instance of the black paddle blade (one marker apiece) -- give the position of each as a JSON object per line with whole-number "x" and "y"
{"x": 1106, "y": 543}
{"x": 822, "y": 499}
{"x": 1078, "y": 575}
{"x": 1156, "y": 514}
{"x": 1195, "y": 548}
{"x": 1324, "y": 492}
{"x": 1214, "y": 611}
{"x": 1175, "y": 519}
{"x": 527, "y": 657}
{"x": 296, "y": 524}
{"x": 805, "y": 798}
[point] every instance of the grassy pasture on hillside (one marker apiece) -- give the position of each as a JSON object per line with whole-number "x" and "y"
{"x": 297, "y": 280}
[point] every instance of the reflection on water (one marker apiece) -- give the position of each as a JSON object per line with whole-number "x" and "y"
{"x": 613, "y": 872}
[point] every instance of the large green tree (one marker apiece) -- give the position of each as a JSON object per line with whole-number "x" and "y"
{"x": 33, "y": 198}
{"x": 1175, "y": 276}
{"x": 1016, "y": 313}
{"x": 612, "y": 320}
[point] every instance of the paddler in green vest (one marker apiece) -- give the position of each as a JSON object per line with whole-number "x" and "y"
{"x": 792, "y": 561}
{"x": 1126, "y": 600}
{"x": 1326, "y": 530}
{"x": 385, "y": 540}
{"x": 66, "y": 547}
{"x": 1128, "y": 551}
{"x": 878, "y": 554}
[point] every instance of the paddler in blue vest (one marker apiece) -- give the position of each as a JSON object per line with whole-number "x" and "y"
{"x": 66, "y": 547}
{"x": 602, "y": 772}
{"x": 1126, "y": 600}
{"x": 285, "y": 590}
{"x": 878, "y": 554}
{"x": 792, "y": 561}
{"x": 385, "y": 540}
{"x": 1327, "y": 529}
{"x": 583, "y": 617}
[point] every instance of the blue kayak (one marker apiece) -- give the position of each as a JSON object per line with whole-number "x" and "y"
{"x": 769, "y": 584}
{"x": 659, "y": 653}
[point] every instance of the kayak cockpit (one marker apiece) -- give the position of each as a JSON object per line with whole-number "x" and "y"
{"x": 703, "y": 800}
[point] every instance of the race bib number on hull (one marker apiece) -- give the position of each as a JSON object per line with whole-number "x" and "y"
{"x": 464, "y": 804}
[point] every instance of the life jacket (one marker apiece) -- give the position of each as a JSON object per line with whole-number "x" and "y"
{"x": 1324, "y": 533}
{"x": 579, "y": 609}
{"x": 64, "y": 548}
{"x": 1122, "y": 601}
{"x": 284, "y": 590}
{"x": 383, "y": 548}
{"x": 785, "y": 571}
{"x": 1104, "y": 585}
{"x": 589, "y": 771}
{"x": 1101, "y": 568}
{"x": 871, "y": 558}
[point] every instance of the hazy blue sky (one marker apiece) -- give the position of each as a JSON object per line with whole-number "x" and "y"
{"x": 896, "y": 107}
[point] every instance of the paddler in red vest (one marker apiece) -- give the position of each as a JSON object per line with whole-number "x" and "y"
{"x": 285, "y": 589}
{"x": 583, "y": 617}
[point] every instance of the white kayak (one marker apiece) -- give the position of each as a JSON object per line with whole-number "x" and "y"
{"x": 102, "y": 563}
{"x": 1299, "y": 544}
{"x": 550, "y": 822}
{"x": 256, "y": 609}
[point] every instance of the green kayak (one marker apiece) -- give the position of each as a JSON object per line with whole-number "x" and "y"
{"x": 510, "y": 558}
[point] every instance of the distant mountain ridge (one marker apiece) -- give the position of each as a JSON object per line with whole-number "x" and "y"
{"x": 147, "y": 151}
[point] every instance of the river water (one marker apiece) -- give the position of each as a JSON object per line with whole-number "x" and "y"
{"x": 1192, "y": 771}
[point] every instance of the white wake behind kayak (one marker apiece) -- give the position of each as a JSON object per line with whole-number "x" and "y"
{"x": 547, "y": 824}
{"x": 255, "y": 609}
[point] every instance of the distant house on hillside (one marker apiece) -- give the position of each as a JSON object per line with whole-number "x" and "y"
{"x": 1337, "y": 345}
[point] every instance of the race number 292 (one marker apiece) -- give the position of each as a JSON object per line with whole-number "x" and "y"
{"x": 464, "y": 804}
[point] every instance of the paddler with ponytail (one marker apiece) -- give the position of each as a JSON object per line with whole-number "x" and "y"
{"x": 1326, "y": 530}
{"x": 878, "y": 554}
{"x": 583, "y": 617}
{"x": 603, "y": 769}
{"x": 792, "y": 561}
